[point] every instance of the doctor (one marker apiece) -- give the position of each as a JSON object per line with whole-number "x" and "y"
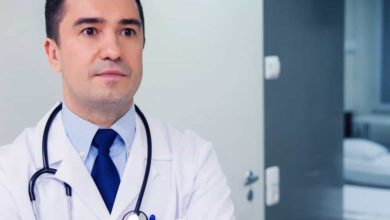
{"x": 97, "y": 143}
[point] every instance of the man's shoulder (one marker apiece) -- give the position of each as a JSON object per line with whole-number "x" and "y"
{"x": 13, "y": 155}
{"x": 178, "y": 142}
{"x": 25, "y": 143}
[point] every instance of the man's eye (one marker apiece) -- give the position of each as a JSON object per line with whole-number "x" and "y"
{"x": 89, "y": 31}
{"x": 128, "y": 32}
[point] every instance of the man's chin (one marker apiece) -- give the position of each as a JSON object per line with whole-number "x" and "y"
{"x": 119, "y": 101}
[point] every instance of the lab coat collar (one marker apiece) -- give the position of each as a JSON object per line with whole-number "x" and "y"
{"x": 71, "y": 169}
{"x": 132, "y": 179}
{"x": 57, "y": 135}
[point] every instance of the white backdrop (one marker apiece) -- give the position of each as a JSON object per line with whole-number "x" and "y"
{"x": 28, "y": 87}
{"x": 203, "y": 70}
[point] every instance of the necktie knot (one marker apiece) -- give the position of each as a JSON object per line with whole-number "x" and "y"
{"x": 103, "y": 140}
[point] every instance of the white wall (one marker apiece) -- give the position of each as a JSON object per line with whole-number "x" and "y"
{"x": 28, "y": 87}
{"x": 203, "y": 70}
{"x": 362, "y": 55}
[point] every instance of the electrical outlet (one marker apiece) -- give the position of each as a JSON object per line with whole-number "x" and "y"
{"x": 272, "y": 185}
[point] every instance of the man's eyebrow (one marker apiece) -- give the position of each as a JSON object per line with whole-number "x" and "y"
{"x": 82, "y": 21}
{"x": 130, "y": 21}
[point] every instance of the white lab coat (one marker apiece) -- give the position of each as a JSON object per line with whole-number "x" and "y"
{"x": 186, "y": 181}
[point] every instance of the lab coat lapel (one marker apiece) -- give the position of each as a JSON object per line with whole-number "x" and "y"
{"x": 132, "y": 178}
{"x": 72, "y": 170}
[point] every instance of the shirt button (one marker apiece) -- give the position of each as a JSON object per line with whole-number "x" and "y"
{"x": 82, "y": 154}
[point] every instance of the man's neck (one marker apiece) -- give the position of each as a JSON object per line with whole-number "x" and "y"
{"x": 102, "y": 115}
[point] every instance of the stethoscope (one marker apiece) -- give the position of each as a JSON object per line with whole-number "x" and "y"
{"x": 136, "y": 214}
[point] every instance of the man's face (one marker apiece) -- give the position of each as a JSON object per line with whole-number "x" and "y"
{"x": 99, "y": 52}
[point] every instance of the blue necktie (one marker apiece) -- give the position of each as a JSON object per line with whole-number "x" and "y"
{"x": 104, "y": 172}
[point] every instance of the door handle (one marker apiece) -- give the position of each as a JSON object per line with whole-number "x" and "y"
{"x": 251, "y": 178}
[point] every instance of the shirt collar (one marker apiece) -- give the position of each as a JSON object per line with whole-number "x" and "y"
{"x": 81, "y": 132}
{"x": 125, "y": 127}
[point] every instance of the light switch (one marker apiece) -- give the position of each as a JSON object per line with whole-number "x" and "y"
{"x": 272, "y": 67}
{"x": 272, "y": 185}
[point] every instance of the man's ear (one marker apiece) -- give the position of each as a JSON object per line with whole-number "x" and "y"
{"x": 52, "y": 53}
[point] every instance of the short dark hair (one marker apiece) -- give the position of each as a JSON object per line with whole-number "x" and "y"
{"x": 54, "y": 12}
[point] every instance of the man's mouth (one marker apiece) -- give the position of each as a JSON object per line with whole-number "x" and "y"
{"x": 111, "y": 74}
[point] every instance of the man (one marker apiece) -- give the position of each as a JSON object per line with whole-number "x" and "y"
{"x": 97, "y": 143}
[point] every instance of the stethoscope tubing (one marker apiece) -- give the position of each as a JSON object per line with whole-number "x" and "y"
{"x": 148, "y": 161}
{"x": 68, "y": 190}
{"x": 45, "y": 159}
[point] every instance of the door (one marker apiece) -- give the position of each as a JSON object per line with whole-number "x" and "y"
{"x": 304, "y": 107}
{"x": 203, "y": 70}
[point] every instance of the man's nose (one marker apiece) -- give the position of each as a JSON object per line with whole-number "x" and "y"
{"x": 110, "y": 49}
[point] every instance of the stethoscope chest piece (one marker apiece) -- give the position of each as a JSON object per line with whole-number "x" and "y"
{"x": 134, "y": 216}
